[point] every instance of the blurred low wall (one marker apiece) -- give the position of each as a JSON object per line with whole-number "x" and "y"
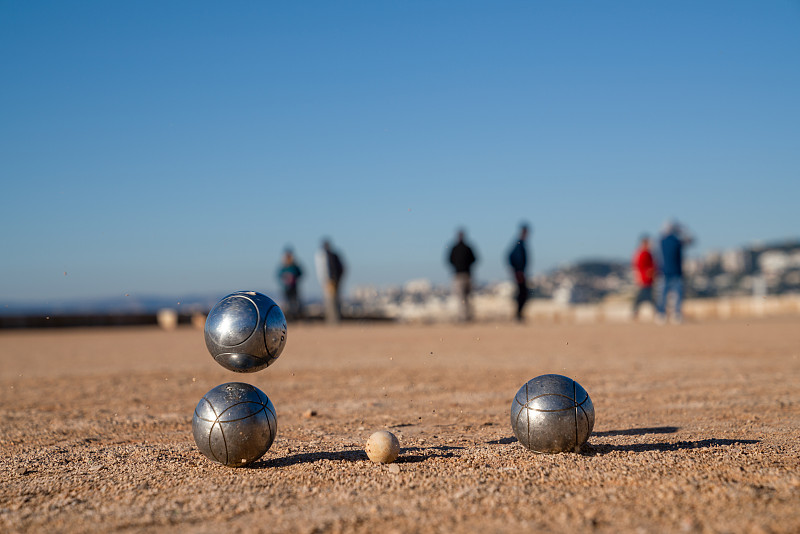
{"x": 166, "y": 319}
{"x": 486, "y": 308}
{"x": 693, "y": 309}
{"x": 498, "y": 308}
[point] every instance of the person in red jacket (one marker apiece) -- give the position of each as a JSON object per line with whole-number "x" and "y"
{"x": 644, "y": 269}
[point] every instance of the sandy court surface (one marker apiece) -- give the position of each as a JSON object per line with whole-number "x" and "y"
{"x": 696, "y": 430}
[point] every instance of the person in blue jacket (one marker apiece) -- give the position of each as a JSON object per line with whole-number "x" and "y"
{"x": 674, "y": 238}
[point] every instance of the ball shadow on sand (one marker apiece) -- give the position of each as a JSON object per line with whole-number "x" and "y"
{"x": 418, "y": 454}
{"x": 590, "y": 449}
{"x": 602, "y": 449}
{"x": 503, "y": 441}
{"x": 349, "y": 455}
{"x": 638, "y": 431}
{"x": 626, "y": 432}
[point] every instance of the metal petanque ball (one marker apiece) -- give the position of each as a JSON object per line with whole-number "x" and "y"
{"x": 234, "y": 424}
{"x": 245, "y": 332}
{"x": 552, "y": 413}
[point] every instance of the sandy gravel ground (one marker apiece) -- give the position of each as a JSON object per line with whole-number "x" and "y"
{"x": 697, "y": 431}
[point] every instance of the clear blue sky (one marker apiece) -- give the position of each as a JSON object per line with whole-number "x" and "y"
{"x": 177, "y": 147}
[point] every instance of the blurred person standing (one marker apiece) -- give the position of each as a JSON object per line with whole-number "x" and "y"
{"x": 289, "y": 274}
{"x": 674, "y": 238}
{"x": 462, "y": 258}
{"x": 644, "y": 270}
{"x": 330, "y": 271}
{"x": 518, "y": 260}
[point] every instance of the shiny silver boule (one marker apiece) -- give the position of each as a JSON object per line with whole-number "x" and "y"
{"x": 234, "y": 424}
{"x": 552, "y": 413}
{"x": 245, "y": 332}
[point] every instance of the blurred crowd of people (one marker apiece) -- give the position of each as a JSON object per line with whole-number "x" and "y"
{"x": 664, "y": 270}
{"x": 658, "y": 273}
{"x": 330, "y": 272}
{"x": 462, "y": 258}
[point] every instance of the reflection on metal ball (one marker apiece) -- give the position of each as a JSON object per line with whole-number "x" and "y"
{"x": 552, "y": 413}
{"x": 245, "y": 332}
{"x": 234, "y": 424}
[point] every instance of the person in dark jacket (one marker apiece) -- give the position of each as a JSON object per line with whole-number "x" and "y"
{"x": 330, "y": 271}
{"x": 673, "y": 240}
{"x": 462, "y": 258}
{"x": 518, "y": 260}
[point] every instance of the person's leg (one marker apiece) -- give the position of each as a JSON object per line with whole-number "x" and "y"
{"x": 337, "y": 300}
{"x": 298, "y": 305}
{"x": 637, "y": 301}
{"x": 678, "y": 289}
{"x": 661, "y": 303}
{"x": 648, "y": 296}
{"x": 331, "y": 308}
{"x": 460, "y": 295}
{"x": 463, "y": 312}
{"x": 287, "y": 301}
{"x": 522, "y": 298}
{"x": 467, "y": 298}
{"x": 291, "y": 297}
{"x": 661, "y": 306}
